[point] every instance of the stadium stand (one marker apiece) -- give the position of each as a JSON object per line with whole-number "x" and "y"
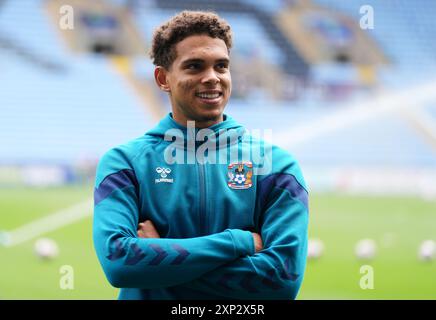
{"x": 56, "y": 108}
{"x": 62, "y": 115}
{"x": 404, "y": 39}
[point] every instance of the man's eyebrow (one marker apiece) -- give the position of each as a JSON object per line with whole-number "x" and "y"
{"x": 226, "y": 60}
{"x": 192, "y": 61}
{"x": 196, "y": 60}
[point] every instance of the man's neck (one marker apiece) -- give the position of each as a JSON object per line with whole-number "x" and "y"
{"x": 183, "y": 121}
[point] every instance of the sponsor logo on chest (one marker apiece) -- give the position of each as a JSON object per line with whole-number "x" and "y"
{"x": 163, "y": 175}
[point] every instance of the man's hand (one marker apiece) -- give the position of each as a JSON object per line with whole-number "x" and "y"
{"x": 258, "y": 244}
{"x": 147, "y": 229}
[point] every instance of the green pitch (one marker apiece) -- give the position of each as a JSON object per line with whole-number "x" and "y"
{"x": 398, "y": 225}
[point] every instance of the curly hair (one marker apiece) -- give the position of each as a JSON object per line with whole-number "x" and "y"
{"x": 183, "y": 25}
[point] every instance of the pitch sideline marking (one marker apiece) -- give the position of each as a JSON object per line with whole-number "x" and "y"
{"x": 48, "y": 223}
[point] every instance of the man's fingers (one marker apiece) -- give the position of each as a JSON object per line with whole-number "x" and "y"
{"x": 148, "y": 224}
{"x": 147, "y": 230}
{"x": 258, "y": 243}
{"x": 151, "y": 229}
{"x": 140, "y": 231}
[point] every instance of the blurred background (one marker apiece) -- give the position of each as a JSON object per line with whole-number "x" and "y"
{"x": 348, "y": 87}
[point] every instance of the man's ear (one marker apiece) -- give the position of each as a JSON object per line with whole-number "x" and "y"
{"x": 161, "y": 78}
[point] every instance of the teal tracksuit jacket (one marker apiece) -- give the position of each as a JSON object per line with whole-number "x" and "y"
{"x": 204, "y": 212}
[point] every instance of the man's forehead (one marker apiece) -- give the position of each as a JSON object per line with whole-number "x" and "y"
{"x": 201, "y": 47}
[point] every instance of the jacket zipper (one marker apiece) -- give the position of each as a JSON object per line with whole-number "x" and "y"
{"x": 202, "y": 206}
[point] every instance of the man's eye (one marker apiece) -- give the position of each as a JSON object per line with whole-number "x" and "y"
{"x": 193, "y": 66}
{"x": 221, "y": 65}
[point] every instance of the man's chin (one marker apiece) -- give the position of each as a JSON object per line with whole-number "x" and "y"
{"x": 210, "y": 117}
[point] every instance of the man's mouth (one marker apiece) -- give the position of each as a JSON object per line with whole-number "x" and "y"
{"x": 209, "y": 95}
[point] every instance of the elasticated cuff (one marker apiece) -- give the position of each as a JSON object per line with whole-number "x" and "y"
{"x": 243, "y": 242}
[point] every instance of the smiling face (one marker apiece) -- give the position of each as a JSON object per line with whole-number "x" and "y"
{"x": 198, "y": 81}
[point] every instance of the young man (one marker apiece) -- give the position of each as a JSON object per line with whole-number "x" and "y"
{"x": 174, "y": 219}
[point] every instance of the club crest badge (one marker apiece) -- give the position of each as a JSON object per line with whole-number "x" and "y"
{"x": 240, "y": 175}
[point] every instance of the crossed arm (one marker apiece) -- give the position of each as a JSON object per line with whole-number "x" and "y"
{"x": 273, "y": 272}
{"x": 147, "y": 229}
{"x": 226, "y": 263}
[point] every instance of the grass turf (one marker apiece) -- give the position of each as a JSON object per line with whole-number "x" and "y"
{"x": 397, "y": 224}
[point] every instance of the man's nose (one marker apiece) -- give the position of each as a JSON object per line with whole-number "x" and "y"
{"x": 210, "y": 76}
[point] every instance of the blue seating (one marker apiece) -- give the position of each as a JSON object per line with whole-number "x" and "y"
{"x": 382, "y": 142}
{"x": 59, "y": 116}
{"x": 83, "y": 106}
{"x": 405, "y": 32}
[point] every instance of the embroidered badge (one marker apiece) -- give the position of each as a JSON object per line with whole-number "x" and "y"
{"x": 240, "y": 175}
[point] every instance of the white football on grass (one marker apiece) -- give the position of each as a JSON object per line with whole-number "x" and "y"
{"x": 315, "y": 248}
{"x": 427, "y": 250}
{"x": 46, "y": 248}
{"x": 366, "y": 249}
